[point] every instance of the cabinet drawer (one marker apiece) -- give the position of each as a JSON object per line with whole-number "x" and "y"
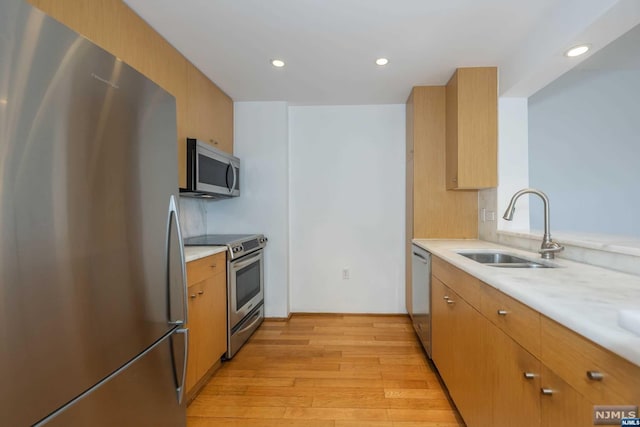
{"x": 206, "y": 267}
{"x": 467, "y": 286}
{"x": 519, "y": 321}
{"x": 573, "y": 357}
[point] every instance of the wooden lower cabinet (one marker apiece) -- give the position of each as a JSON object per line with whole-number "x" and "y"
{"x": 207, "y": 324}
{"x": 482, "y": 354}
{"x": 458, "y": 336}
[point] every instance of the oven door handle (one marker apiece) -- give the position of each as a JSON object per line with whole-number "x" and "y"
{"x": 237, "y": 265}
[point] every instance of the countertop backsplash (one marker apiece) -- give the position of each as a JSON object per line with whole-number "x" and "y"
{"x": 611, "y": 253}
{"x": 193, "y": 217}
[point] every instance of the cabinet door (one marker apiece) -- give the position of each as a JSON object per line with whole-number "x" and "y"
{"x": 459, "y": 336}
{"x": 194, "y": 337}
{"x": 472, "y": 129}
{"x": 561, "y": 405}
{"x": 441, "y": 330}
{"x": 213, "y": 313}
{"x": 516, "y": 381}
{"x": 210, "y": 112}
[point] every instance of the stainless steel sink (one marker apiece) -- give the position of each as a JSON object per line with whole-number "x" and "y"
{"x": 503, "y": 260}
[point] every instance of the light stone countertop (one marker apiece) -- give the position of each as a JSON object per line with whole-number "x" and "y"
{"x": 582, "y": 297}
{"x": 192, "y": 253}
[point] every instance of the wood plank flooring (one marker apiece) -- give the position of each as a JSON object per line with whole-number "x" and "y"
{"x": 327, "y": 371}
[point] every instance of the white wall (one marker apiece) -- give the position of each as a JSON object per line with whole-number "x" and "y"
{"x": 513, "y": 161}
{"x": 261, "y": 143}
{"x": 347, "y": 172}
{"x": 513, "y": 173}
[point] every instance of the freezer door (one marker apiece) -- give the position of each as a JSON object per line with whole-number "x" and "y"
{"x": 142, "y": 394}
{"x": 89, "y": 246}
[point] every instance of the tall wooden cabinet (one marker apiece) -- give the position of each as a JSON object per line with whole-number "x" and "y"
{"x": 451, "y": 145}
{"x": 431, "y": 210}
{"x": 203, "y": 110}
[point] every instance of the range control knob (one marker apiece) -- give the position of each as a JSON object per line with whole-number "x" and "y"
{"x": 263, "y": 240}
{"x": 237, "y": 248}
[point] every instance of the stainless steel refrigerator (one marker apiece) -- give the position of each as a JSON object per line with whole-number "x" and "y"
{"x": 92, "y": 286}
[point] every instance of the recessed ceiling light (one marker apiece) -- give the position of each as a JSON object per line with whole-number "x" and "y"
{"x": 279, "y": 63}
{"x": 382, "y": 61}
{"x": 4, "y": 101}
{"x": 577, "y": 50}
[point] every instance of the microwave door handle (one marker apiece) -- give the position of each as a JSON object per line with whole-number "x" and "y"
{"x": 226, "y": 177}
{"x": 235, "y": 177}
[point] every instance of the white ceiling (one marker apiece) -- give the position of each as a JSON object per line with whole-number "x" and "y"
{"x": 330, "y": 45}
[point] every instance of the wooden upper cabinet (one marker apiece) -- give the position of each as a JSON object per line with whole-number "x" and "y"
{"x": 210, "y": 112}
{"x": 472, "y": 129}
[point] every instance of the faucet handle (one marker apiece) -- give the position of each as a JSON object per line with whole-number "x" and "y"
{"x": 549, "y": 248}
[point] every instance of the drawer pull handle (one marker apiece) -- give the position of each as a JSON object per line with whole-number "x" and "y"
{"x": 546, "y": 391}
{"x": 450, "y": 301}
{"x": 200, "y": 292}
{"x": 529, "y": 375}
{"x": 192, "y": 296}
{"x": 502, "y": 312}
{"x": 213, "y": 266}
{"x": 595, "y": 375}
{"x": 446, "y": 297}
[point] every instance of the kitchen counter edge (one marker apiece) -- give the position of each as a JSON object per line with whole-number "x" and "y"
{"x": 192, "y": 253}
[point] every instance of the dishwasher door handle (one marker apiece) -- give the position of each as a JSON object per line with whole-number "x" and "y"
{"x": 422, "y": 257}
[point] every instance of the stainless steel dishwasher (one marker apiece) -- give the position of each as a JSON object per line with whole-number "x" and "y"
{"x": 421, "y": 295}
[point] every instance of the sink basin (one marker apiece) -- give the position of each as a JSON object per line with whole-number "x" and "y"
{"x": 503, "y": 260}
{"x": 630, "y": 320}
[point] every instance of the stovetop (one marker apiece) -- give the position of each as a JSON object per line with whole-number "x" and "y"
{"x": 238, "y": 245}
{"x": 218, "y": 239}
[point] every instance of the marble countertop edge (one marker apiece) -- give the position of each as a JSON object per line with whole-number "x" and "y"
{"x": 192, "y": 253}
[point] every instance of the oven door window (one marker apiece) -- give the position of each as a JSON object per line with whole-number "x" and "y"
{"x": 247, "y": 284}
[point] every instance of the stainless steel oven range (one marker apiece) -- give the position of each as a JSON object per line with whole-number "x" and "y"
{"x": 245, "y": 283}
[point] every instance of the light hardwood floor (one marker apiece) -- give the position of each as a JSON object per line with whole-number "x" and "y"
{"x": 327, "y": 370}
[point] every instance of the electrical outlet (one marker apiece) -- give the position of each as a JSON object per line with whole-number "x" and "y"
{"x": 345, "y": 274}
{"x": 491, "y": 216}
{"x": 483, "y": 214}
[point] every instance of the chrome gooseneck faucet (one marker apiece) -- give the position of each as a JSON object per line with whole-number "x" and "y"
{"x": 548, "y": 247}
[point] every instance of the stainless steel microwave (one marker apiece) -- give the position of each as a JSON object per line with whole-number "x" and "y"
{"x": 211, "y": 173}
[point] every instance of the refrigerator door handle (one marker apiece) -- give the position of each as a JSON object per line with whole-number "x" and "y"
{"x": 181, "y": 374}
{"x": 174, "y": 224}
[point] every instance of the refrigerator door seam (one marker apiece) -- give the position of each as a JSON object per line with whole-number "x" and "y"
{"x": 108, "y": 378}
